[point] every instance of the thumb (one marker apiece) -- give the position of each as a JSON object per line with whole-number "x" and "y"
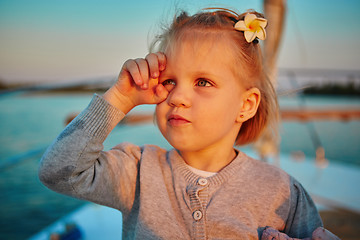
{"x": 160, "y": 93}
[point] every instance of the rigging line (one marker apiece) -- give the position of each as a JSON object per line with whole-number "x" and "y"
{"x": 299, "y": 36}
{"x": 293, "y": 91}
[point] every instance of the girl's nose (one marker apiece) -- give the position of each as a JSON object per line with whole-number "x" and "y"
{"x": 179, "y": 98}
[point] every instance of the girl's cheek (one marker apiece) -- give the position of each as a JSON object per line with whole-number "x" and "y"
{"x": 159, "y": 112}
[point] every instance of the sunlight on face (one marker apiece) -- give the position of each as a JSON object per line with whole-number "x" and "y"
{"x": 205, "y": 96}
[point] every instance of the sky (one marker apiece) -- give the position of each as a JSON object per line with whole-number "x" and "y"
{"x": 67, "y": 40}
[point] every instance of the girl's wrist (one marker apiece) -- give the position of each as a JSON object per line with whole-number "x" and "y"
{"x": 118, "y": 100}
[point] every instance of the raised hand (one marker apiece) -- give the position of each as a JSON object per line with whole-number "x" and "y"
{"x": 138, "y": 83}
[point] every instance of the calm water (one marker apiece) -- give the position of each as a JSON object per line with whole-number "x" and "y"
{"x": 30, "y": 122}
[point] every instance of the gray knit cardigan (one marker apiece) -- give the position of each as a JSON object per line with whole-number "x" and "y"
{"x": 161, "y": 198}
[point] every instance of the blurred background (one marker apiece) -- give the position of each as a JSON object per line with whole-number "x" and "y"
{"x": 54, "y": 55}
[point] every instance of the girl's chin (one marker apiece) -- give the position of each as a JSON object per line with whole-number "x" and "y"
{"x": 184, "y": 147}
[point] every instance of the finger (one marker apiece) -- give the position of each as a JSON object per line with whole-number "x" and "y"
{"x": 160, "y": 93}
{"x": 144, "y": 72}
{"x": 162, "y": 60}
{"x": 157, "y": 63}
{"x": 153, "y": 62}
{"x": 132, "y": 68}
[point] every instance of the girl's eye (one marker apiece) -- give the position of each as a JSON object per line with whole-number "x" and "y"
{"x": 169, "y": 84}
{"x": 203, "y": 83}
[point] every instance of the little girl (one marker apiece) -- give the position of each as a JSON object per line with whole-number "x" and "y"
{"x": 207, "y": 79}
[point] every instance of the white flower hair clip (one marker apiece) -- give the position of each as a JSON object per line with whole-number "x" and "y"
{"x": 252, "y": 26}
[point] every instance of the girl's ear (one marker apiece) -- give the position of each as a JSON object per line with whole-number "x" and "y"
{"x": 251, "y": 100}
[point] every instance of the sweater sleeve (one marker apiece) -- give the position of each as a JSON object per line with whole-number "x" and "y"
{"x": 76, "y": 165}
{"x": 303, "y": 217}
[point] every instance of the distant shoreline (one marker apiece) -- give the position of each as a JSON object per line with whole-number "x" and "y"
{"x": 349, "y": 89}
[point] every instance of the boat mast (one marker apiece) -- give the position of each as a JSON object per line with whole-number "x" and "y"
{"x": 275, "y": 12}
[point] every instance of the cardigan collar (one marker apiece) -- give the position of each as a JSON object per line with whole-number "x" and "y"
{"x": 179, "y": 165}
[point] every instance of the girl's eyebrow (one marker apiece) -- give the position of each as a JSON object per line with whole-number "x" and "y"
{"x": 195, "y": 74}
{"x": 206, "y": 74}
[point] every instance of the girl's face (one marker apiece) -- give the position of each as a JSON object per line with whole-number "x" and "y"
{"x": 205, "y": 97}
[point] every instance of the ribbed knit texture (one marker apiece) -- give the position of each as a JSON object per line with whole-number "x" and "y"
{"x": 99, "y": 118}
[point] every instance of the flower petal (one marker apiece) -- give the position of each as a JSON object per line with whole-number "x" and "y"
{"x": 262, "y": 22}
{"x": 261, "y": 34}
{"x": 249, "y": 17}
{"x": 240, "y": 25}
{"x": 252, "y": 26}
{"x": 249, "y": 36}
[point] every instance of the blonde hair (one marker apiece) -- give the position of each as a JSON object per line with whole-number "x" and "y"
{"x": 248, "y": 56}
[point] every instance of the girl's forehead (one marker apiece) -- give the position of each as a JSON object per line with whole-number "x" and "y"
{"x": 201, "y": 44}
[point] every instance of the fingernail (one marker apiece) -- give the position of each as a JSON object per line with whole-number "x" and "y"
{"x": 144, "y": 86}
{"x": 155, "y": 75}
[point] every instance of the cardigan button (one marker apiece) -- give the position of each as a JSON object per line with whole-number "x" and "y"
{"x": 202, "y": 181}
{"x": 197, "y": 215}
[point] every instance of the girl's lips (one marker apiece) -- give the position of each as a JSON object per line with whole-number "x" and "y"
{"x": 177, "y": 120}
